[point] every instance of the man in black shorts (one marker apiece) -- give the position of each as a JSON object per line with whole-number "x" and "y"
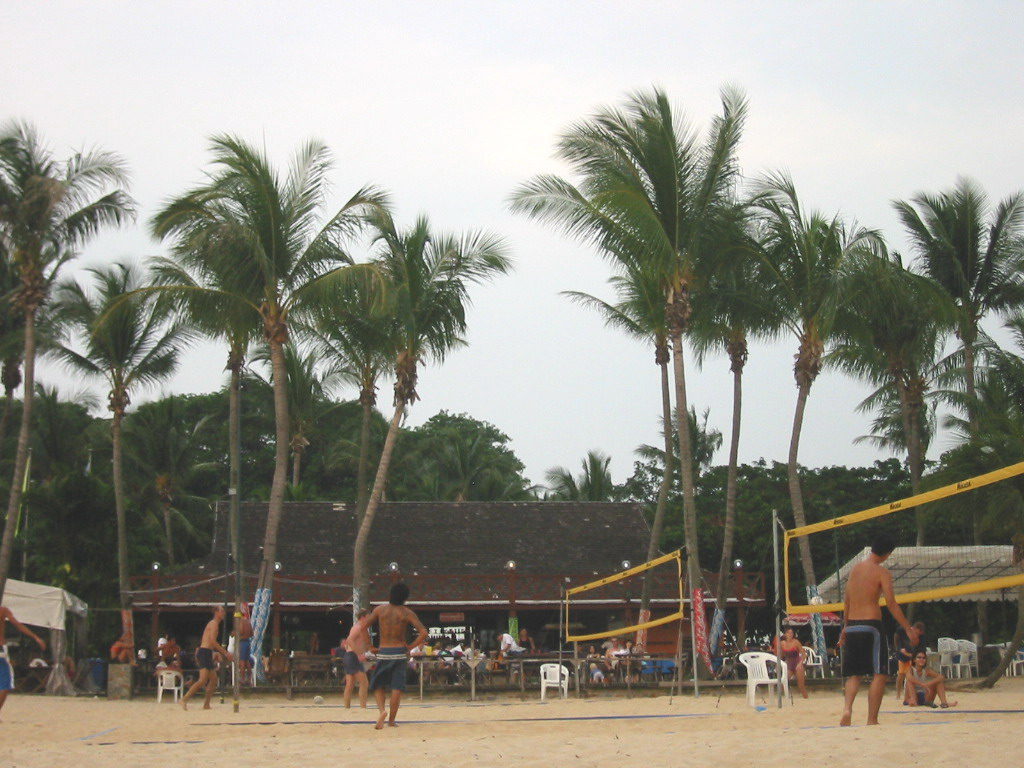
{"x": 865, "y": 651}
{"x": 204, "y": 659}
{"x": 355, "y": 647}
{"x": 393, "y": 657}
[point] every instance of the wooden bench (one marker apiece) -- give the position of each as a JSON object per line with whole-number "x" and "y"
{"x": 303, "y": 670}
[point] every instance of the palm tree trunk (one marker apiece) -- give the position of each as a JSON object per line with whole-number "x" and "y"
{"x": 119, "y": 509}
{"x": 296, "y": 467}
{"x": 234, "y": 513}
{"x": 795, "y": 494}
{"x": 360, "y": 568}
{"x": 738, "y": 353}
{"x": 686, "y": 463}
{"x": 910, "y": 412}
{"x": 658, "y": 524}
{"x": 362, "y": 492}
{"x": 972, "y": 421}
{"x": 9, "y": 396}
{"x": 11, "y": 377}
{"x": 276, "y": 506}
{"x": 1012, "y": 648}
{"x": 21, "y": 454}
{"x": 168, "y": 533}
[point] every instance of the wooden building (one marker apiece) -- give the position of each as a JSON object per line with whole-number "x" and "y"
{"x": 470, "y": 566}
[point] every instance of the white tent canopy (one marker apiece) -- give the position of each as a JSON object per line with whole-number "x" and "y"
{"x": 41, "y": 605}
{"x": 915, "y": 569}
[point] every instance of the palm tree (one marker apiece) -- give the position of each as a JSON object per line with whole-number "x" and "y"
{"x": 12, "y": 334}
{"x": 128, "y": 341}
{"x": 309, "y": 387}
{"x": 278, "y": 253}
{"x": 355, "y": 334}
{"x": 48, "y": 209}
{"x": 640, "y": 312}
{"x": 978, "y": 265}
{"x": 428, "y": 277}
{"x": 593, "y": 484}
{"x": 651, "y": 192}
{"x": 890, "y": 334}
{"x": 725, "y": 315}
{"x": 163, "y": 453}
{"x": 805, "y": 259}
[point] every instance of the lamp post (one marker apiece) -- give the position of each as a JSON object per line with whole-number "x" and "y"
{"x": 276, "y": 637}
{"x": 154, "y": 622}
{"x": 739, "y": 591}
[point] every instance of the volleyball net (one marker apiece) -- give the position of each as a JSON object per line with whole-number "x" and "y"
{"x": 663, "y": 578}
{"x": 945, "y": 567}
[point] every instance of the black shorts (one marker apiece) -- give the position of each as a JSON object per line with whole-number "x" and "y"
{"x": 392, "y": 665}
{"x": 865, "y": 652}
{"x": 204, "y": 658}
{"x": 351, "y": 664}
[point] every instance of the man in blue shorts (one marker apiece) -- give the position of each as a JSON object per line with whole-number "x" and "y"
{"x": 393, "y": 657}
{"x": 6, "y": 670}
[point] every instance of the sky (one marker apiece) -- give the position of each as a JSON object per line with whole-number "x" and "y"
{"x": 451, "y": 105}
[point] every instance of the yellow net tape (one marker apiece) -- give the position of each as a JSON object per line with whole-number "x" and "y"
{"x": 973, "y": 483}
{"x": 677, "y": 556}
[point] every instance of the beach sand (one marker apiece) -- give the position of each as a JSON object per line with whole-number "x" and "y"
{"x": 986, "y": 729}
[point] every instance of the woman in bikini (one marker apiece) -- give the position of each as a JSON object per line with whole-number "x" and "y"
{"x": 925, "y": 684}
{"x": 794, "y": 654}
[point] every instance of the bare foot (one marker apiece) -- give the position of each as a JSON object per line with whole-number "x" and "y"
{"x": 805, "y": 695}
{"x": 872, "y": 722}
{"x": 949, "y": 704}
{"x": 845, "y": 719}
{"x": 207, "y": 706}
{"x": 184, "y": 705}
{"x": 392, "y": 724}
{"x": 380, "y": 721}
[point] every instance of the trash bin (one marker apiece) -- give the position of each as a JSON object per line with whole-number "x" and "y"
{"x": 98, "y": 673}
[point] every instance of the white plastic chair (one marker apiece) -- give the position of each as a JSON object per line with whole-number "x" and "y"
{"x": 813, "y": 663}
{"x": 1017, "y": 665}
{"x": 169, "y": 680}
{"x": 949, "y": 651}
{"x": 554, "y": 676}
{"x": 968, "y": 656}
{"x": 756, "y": 663}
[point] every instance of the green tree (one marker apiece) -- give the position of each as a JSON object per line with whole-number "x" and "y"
{"x": 890, "y": 334}
{"x": 652, "y": 192}
{"x": 48, "y": 209}
{"x": 127, "y": 341}
{"x": 163, "y": 449}
{"x": 594, "y": 483}
{"x": 428, "y": 276}
{"x": 805, "y": 263}
{"x": 281, "y": 252}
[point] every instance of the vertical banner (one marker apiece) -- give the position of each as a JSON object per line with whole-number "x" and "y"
{"x": 260, "y": 620}
{"x": 717, "y": 630}
{"x": 817, "y": 629}
{"x": 700, "y": 627}
{"x": 513, "y": 627}
{"x": 641, "y": 634}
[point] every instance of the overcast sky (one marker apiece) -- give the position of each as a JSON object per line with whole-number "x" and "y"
{"x": 451, "y": 105}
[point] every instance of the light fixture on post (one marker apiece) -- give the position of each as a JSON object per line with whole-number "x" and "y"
{"x": 625, "y": 565}
{"x": 737, "y": 564}
{"x": 510, "y": 565}
{"x": 393, "y": 567}
{"x": 156, "y": 566}
{"x": 277, "y": 565}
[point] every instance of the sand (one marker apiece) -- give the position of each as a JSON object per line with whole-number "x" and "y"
{"x": 987, "y": 729}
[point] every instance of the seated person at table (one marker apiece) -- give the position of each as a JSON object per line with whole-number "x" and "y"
{"x": 170, "y": 653}
{"x": 121, "y": 650}
{"x": 925, "y": 684}
{"x": 509, "y": 647}
{"x": 526, "y": 641}
{"x": 595, "y": 663}
{"x": 614, "y": 653}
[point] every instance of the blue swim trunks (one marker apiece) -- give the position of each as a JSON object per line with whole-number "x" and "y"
{"x": 6, "y": 675}
{"x": 392, "y": 664}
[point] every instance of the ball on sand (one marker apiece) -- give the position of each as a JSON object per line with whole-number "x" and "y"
{"x": 318, "y": 699}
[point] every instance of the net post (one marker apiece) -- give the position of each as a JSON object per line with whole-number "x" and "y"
{"x": 693, "y": 630}
{"x": 561, "y": 590}
{"x": 778, "y": 606}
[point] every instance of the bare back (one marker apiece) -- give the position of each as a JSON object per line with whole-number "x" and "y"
{"x": 865, "y": 585}
{"x": 358, "y": 640}
{"x": 394, "y": 621}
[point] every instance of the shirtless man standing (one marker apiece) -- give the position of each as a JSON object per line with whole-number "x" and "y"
{"x": 393, "y": 656}
{"x": 204, "y": 659}
{"x": 6, "y": 670}
{"x": 245, "y": 633}
{"x": 866, "y": 651}
{"x": 356, "y": 645}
